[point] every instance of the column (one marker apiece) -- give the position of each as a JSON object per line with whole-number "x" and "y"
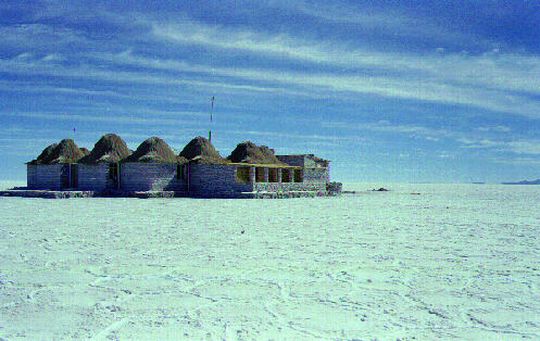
{"x": 252, "y": 175}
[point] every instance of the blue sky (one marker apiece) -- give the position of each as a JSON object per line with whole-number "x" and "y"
{"x": 410, "y": 91}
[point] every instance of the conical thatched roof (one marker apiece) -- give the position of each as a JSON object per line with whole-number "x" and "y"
{"x": 201, "y": 150}
{"x": 64, "y": 152}
{"x": 46, "y": 155}
{"x": 249, "y": 152}
{"x": 153, "y": 149}
{"x": 109, "y": 148}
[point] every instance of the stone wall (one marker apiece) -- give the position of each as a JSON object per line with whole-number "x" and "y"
{"x": 314, "y": 180}
{"x": 44, "y": 176}
{"x": 292, "y": 160}
{"x": 94, "y": 177}
{"x": 31, "y": 176}
{"x": 150, "y": 177}
{"x": 206, "y": 181}
{"x": 219, "y": 181}
{"x": 316, "y": 175}
{"x": 304, "y": 161}
{"x": 290, "y": 187}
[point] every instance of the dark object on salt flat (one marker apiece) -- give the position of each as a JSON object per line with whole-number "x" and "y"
{"x": 201, "y": 150}
{"x": 524, "y": 182}
{"x": 249, "y": 152}
{"x": 382, "y": 189}
{"x": 334, "y": 188}
{"x": 66, "y": 151}
{"x": 109, "y": 148}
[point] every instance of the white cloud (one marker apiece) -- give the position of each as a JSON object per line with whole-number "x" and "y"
{"x": 293, "y": 136}
{"x": 400, "y": 87}
{"x": 90, "y": 72}
{"x": 517, "y": 160}
{"x": 498, "y": 83}
{"x": 107, "y": 117}
{"x": 380, "y": 22}
{"x": 522, "y": 146}
{"x": 490, "y": 82}
{"x": 497, "y": 129}
{"x": 53, "y": 57}
{"x": 504, "y": 71}
{"x": 384, "y": 126}
{"x": 473, "y": 143}
{"x": 24, "y": 56}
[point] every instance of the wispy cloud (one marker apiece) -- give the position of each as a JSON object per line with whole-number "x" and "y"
{"x": 38, "y": 36}
{"x": 467, "y": 140}
{"x": 93, "y": 73}
{"x": 385, "y": 22}
{"x": 294, "y": 136}
{"x": 384, "y": 126}
{"x": 407, "y": 86}
{"x": 524, "y": 146}
{"x": 496, "y": 129}
{"x": 520, "y": 146}
{"x": 503, "y": 71}
{"x": 491, "y": 81}
{"x": 495, "y": 82}
{"x": 107, "y": 118}
{"x": 517, "y": 161}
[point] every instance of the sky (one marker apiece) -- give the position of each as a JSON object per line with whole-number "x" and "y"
{"x": 389, "y": 91}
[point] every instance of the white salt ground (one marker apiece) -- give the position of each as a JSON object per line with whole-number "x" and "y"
{"x": 455, "y": 262}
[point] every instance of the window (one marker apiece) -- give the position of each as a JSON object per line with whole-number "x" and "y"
{"x": 272, "y": 175}
{"x": 298, "y": 175}
{"x": 259, "y": 174}
{"x": 242, "y": 175}
{"x": 285, "y": 175}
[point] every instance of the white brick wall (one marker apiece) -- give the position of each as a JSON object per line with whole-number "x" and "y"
{"x": 94, "y": 177}
{"x": 44, "y": 176}
{"x": 150, "y": 177}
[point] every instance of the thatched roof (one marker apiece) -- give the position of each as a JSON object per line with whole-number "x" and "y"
{"x": 249, "y": 152}
{"x": 319, "y": 161}
{"x": 64, "y": 152}
{"x": 201, "y": 150}
{"x": 155, "y": 150}
{"x": 109, "y": 148}
{"x": 46, "y": 155}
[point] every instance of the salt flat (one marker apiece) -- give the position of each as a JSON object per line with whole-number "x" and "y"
{"x": 455, "y": 262}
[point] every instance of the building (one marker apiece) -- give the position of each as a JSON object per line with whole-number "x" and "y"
{"x": 152, "y": 167}
{"x": 98, "y": 171}
{"x": 53, "y": 169}
{"x": 250, "y": 171}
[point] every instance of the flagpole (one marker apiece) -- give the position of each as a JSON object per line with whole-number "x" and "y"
{"x": 211, "y": 119}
